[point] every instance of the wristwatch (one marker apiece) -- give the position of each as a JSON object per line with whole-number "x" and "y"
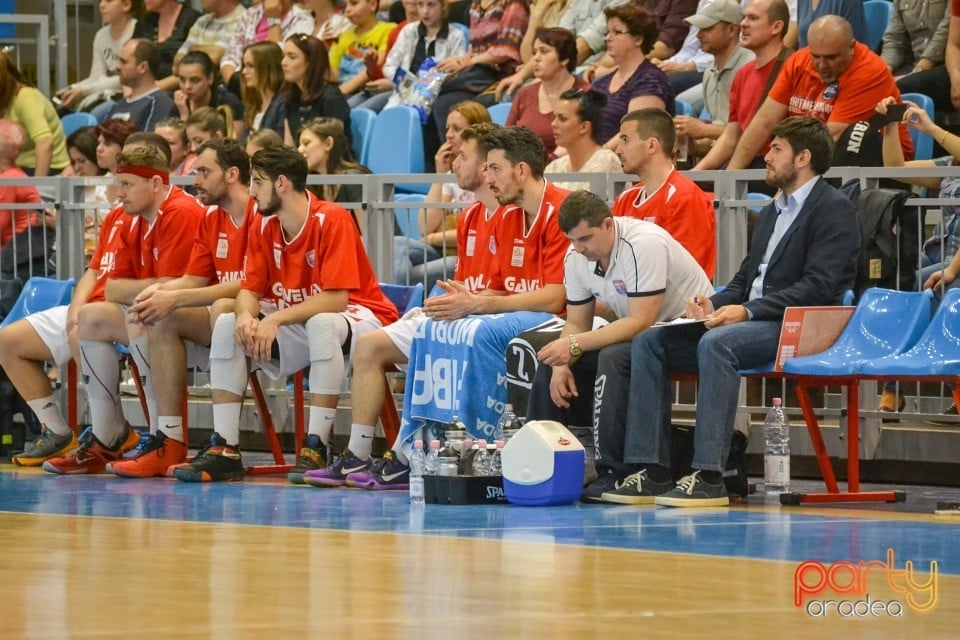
{"x": 575, "y": 349}
{"x": 273, "y": 22}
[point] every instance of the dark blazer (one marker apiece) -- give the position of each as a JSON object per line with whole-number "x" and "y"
{"x": 814, "y": 263}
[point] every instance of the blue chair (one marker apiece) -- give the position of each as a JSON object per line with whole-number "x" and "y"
{"x": 922, "y": 143}
{"x": 361, "y": 130}
{"x": 462, "y": 28}
{"x": 406, "y": 217}
{"x": 499, "y": 113}
{"x": 399, "y": 147}
{"x": 404, "y": 297}
{"x": 73, "y": 121}
{"x": 684, "y": 108}
{"x": 39, "y": 294}
{"x": 8, "y": 31}
{"x": 761, "y": 199}
{"x": 885, "y": 322}
{"x": 876, "y": 14}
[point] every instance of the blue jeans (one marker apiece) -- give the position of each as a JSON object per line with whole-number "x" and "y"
{"x": 717, "y": 355}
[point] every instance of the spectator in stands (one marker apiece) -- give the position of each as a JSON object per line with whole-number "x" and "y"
{"x": 12, "y": 222}
{"x": 850, "y": 10}
{"x": 928, "y": 51}
{"x": 718, "y": 29}
{"x": 206, "y": 124}
{"x": 761, "y": 31}
{"x": 261, "y": 23}
{"x": 428, "y": 37}
{"x": 553, "y": 62}
{"x": 496, "y": 31}
{"x": 44, "y": 151}
{"x": 199, "y": 88}
{"x": 836, "y": 80}
{"x": 174, "y": 131}
{"x": 575, "y": 128}
{"x": 308, "y": 92}
{"x": 685, "y": 67}
{"x": 367, "y": 36}
{"x": 262, "y": 139}
{"x": 82, "y": 148}
{"x": 112, "y": 135}
{"x": 166, "y": 23}
{"x": 324, "y": 144}
{"x": 582, "y": 18}
{"x": 119, "y": 19}
{"x": 664, "y": 195}
{"x": 816, "y": 261}
{"x": 329, "y": 22}
{"x": 264, "y": 105}
{"x": 213, "y": 31}
{"x": 636, "y": 83}
{"x": 145, "y": 104}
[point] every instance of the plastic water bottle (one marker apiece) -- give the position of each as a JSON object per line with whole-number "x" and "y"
{"x": 466, "y": 460}
{"x": 776, "y": 455}
{"x": 507, "y": 423}
{"x": 433, "y": 458}
{"x": 418, "y": 464}
{"x": 481, "y": 461}
{"x": 496, "y": 462}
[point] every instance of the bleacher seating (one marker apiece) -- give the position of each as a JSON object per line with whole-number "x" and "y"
{"x": 399, "y": 146}
{"x": 876, "y": 15}
{"x": 361, "y": 131}
{"x": 499, "y": 113}
{"x": 73, "y": 121}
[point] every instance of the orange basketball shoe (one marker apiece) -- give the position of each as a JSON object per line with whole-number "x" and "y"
{"x": 93, "y": 455}
{"x": 156, "y": 455}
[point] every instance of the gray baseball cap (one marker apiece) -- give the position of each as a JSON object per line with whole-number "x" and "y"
{"x": 716, "y": 11}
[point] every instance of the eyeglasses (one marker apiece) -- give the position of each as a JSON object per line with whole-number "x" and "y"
{"x": 617, "y": 32}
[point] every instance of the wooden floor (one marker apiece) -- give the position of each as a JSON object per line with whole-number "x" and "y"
{"x": 102, "y": 558}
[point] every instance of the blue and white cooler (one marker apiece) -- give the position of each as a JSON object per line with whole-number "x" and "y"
{"x": 543, "y": 464}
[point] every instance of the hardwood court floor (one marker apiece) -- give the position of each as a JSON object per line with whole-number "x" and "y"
{"x": 98, "y": 557}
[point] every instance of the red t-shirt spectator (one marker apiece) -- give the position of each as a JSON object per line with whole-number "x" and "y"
{"x": 13, "y": 221}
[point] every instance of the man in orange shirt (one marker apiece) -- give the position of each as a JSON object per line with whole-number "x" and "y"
{"x": 836, "y": 80}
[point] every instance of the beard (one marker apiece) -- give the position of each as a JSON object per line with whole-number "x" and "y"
{"x": 782, "y": 178}
{"x": 272, "y": 206}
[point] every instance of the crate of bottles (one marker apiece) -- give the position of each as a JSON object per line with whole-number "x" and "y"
{"x": 463, "y": 489}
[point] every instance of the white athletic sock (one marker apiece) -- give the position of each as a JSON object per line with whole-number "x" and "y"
{"x": 361, "y": 441}
{"x": 226, "y": 421}
{"x": 140, "y": 350}
{"x": 101, "y": 377}
{"x": 171, "y": 426}
{"x": 321, "y": 423}
{"x": 48, "y": 413}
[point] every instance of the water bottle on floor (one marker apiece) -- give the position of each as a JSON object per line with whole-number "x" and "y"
{"x": 418, "y": 464}
{"x": 481, "y": 461}
{"x": 776, "y": 458}
{"x": 496, "y": 462}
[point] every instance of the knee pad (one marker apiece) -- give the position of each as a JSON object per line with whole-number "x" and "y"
{"x": 222, "y": 343}
{"x": 326, "y": 335}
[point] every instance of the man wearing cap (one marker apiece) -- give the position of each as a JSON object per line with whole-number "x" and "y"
{"x": 155, "y": 247}
{"x": 718, "y": 27}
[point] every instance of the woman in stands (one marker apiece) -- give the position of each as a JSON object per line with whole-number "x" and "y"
{"x": 262, "y": 79}
{"x": 119, "y": 19}
{"x": 575, "y": 128}
{"x": 110, "y": 138}
{"x": 323, "y": 143}
{"x": 636, "y": 83}
{"x": 262, "y": 139}
{"x": 166, "y": 22}
{"x": 82, "y": 148}
{"x": 200, "y": 87}
{"x": 554, "y": 59}
{"x": 309, "y": 94}
{"x": 207, "y": 123}
{"x": 45, "y": 149}
{"x": 174, "y": 131}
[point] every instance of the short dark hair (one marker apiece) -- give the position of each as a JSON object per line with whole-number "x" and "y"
{"x": 229, "y": 154}
{"x": 582, "y": 206}
{"x": 590, "y": 106}
{"x": 274, "y": 162}
{"x": 519, "y": 144}
{"x": 152, "y": 140}
{"x": 147, "y": 51}
{"x": 804, "y": 132}
{"x": 639, "y": 23}
{"x": 117, "y": 130}
{"x": 563, "y": 41}
{"x": 478, "y": 130}
{"x": 777, "y": 11}
{"x": 654, "y": 123}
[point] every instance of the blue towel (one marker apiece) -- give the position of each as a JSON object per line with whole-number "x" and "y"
{"x": 458, "y": 368}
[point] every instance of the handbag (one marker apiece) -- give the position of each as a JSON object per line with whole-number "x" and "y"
{"x": 474, "y": 79}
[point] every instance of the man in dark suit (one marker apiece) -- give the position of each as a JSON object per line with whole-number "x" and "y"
{"x": 804, "y": 253}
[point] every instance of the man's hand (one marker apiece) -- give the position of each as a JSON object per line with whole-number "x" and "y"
{"x": 691, "y": 127}
{"x": 508, "y": 85}
{"x": 153, "y": 304}
{"x": 556, "y": 353}
{"x": 941, "y": 278}
{"x": 456, "y": 303}
{"x": 245, "y": 331}
{"x": 69, "y": 96}
{"x": 263, "y": 338}
{"x": 730, "y": 314}
{"x": 669, "y": 67}
{"x": 699, "y": 307}
{"x": 562, "y": 387}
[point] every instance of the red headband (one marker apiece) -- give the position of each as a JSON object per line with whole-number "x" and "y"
{"x": 144, "y": 172}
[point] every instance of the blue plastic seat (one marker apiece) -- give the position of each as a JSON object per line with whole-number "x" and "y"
{"x": 761, "y": 199}
{"x": 885, "y": 322}
{"x": 73, "y": 121}
{"x": 684, "y": 108}
{"x": 922, "y": 143}
{"x": 361, "y": 130}
{"x": 39, "y": 294}
{"x": 499, "y": 113}
{"x": 876, "y": 14}
{"x": 404, "y": 297}
{"x": 936, "y": 353}
{"x": 406, "y": 217}
{"x": 399, "y": 147}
